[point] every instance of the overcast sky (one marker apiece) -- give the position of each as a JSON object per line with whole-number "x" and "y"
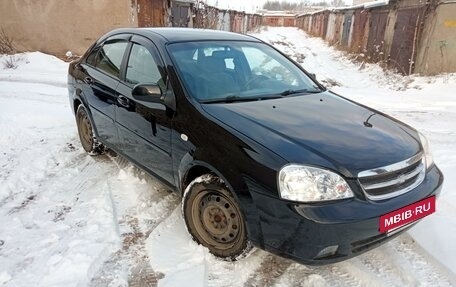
{"x": 251, "y": 5}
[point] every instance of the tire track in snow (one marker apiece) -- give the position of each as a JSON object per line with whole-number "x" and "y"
{"x": 397, "y": 263}
{"x": 130, "y": 261}
{"x": 424, "y": 267}
{"x": 130, "y": 264}
{"x": 52, "y": 187}
{"x": 340, "y": 274}
{"x": 269, "y": 271}
{"x": 365, "y": 276}
{"x": 388, "y": 268}
{"x": 300, "y": 275}
{"x": 87, "y": 171}
{"x": 34, "y": 187}
{"x": 330, "y": 275}
{"x": 64, "y": 173}
{"x": 13, "y": 175}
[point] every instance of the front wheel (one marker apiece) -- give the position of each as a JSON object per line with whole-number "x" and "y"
{"x": 86, "y": 134}
{"x": 214, "y": 219}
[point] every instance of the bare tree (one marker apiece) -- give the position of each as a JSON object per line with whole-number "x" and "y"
{"x": 205, "y": 16}
{"x": 6, "y": 43}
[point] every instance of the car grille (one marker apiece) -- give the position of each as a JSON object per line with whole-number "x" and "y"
{"x": 393, "y": 180}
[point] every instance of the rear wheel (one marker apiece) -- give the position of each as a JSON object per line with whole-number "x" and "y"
{"x": 86, "y": 134}
{"x": 214, "y": 219}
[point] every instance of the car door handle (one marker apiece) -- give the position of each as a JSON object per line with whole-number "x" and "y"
{"x": 88, "y": 81}
{"x": 123, "y": 101}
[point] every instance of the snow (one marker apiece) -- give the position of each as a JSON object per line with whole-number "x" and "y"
{"x": 69, "y": 219}
{"x": 4, "y": 277}
{"x": 30, "y": 70}
{"x": 191, "y": 262}
{"x": 377, "y": 3}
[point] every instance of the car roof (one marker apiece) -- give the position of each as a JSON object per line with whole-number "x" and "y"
{"x": 169, "y": 34}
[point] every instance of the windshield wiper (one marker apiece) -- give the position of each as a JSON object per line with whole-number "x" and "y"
{"x": 301, "y": 91}
{"x": 232, "y": 99}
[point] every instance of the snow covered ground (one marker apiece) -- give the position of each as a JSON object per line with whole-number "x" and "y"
{"x": 68, "y": 219}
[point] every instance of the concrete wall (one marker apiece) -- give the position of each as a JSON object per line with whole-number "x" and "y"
{"x": 57, "y": 26}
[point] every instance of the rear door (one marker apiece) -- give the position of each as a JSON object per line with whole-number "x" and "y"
{"x": 101, "y": 78}
{"x": 145, "y": 128}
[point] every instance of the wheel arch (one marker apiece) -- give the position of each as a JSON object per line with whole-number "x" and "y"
{"x": 243, "y": 159}
{"x": 198, "y": 168}
{"x": 238, "y": 188}
{"x": 76, "y": 103}
{"x": 79, "y": 100}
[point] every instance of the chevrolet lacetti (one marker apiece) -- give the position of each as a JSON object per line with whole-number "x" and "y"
{"x": 261, "y": 153}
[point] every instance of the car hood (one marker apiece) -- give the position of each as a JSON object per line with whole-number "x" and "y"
{"x": 323, "y": 130}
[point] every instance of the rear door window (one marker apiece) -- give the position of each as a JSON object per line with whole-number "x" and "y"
{"x": 110, "y": 56}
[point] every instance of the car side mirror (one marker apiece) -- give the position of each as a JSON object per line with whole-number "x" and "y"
{"x": 150, "y": 93}
{"x": 313, "y": 76}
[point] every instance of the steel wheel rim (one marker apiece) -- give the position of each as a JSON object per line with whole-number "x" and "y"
{"x": 216, "y": 219}
{"x": 85, "y": 130}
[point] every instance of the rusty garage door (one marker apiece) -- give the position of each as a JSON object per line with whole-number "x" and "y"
{"x": 348, "y": 18}
{"x": 325, "y": 24}
{"x": 377, "y": 29}
{"x": 406, "y": 31}
{"x": 151, "y": 13}
{"x": 180, "y": 14}
{"x": 288, "y": 21}
{"x": 360, "y": 26}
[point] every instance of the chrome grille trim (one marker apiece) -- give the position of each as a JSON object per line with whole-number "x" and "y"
{"x": 410, "y": 172}
{"x": 393, "y": 167}
{"x": 397, "y": 180}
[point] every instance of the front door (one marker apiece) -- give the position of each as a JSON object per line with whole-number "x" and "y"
{"x": 145, "y": 128}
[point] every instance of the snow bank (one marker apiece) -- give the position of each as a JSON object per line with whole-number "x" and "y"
{"x": 52, "y": 232}
{"x": 35, "y": 67}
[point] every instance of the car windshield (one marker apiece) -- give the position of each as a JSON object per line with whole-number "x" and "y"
{"x": 228, "y": 71}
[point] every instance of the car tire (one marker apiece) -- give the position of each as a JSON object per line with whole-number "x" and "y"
{"x": 86, "y": 135}
{"x": 214, "y": 219}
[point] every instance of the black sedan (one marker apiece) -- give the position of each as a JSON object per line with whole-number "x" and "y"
{"x": 261, "y": 153}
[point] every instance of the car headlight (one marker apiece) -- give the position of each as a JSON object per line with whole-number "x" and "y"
{"x": 311, "y": 184}
{"x": 426, "y": 150}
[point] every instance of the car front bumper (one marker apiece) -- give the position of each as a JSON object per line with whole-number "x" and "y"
{"x": 325, "y": 233}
